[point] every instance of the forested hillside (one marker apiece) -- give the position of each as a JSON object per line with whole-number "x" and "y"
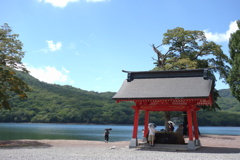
{"x": 228, "y": 102}
{"x": 50, "y": 103}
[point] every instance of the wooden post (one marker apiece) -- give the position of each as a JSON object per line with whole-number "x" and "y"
{"x": 190, "y": 131}
{"x": 197, "y": 140}
{"x": 135, "y": 127}
{"x": 195, "y": 125}
{"x": 191, "y": 143}
{"x": 134, "y": 141}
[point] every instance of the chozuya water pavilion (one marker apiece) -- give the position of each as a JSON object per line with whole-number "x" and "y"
{"x": 181, "y": 90}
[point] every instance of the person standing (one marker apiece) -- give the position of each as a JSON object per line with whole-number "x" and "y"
{"x": 151, "y": 135}
{"x": 106, "y": 135}
{"x": 171, "y": 128}
{"x": 180, "y": 129}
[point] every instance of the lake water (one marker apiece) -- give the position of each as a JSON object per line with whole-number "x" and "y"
{"x": 14, "y": 131}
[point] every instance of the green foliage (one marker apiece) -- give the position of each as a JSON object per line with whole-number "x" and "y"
{"x": 228, "y": 116}
{"x": 50, "y": 103}
{"x": 228, "y": 102}
{"x": 234, "y": 49}
{"x": 219, "y": 118}
{"x": 11, "y": 55}
{"x": 190, "y": 50}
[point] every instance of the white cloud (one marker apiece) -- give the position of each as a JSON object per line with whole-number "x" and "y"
{"x": 50, "y": 74}
{"x": 222, "y": 37}
{"x": 58, "y": 3}
{"x": 97, "y": 0}
{"x": 54, "y": 47}
{"x": 64, "y": 3}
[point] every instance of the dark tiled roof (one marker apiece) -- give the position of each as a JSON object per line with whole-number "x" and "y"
{"x": 183, "y": 85}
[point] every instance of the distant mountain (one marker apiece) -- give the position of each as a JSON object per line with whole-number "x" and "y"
{"x": 51, "y": 103}
{"x": 227, "y": 102}
{"x": 225, "y": 93}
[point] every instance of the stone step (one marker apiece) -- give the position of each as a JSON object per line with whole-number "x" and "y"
{"x": 171, "y": 147}
{"x": 166, "y": 147}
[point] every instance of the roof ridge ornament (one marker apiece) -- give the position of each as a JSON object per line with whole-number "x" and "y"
{"x": 129, "y": 76}
{"x": 169, "y": 74}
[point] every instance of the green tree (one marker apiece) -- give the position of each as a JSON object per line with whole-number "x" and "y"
{"x": 189, "y": 49}
{"x": 11, "y": 55}
{"x": 88, "y": 114}
{"x": 234, "y": 49}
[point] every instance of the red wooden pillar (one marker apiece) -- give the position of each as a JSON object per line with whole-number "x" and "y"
{"x": 135, "y": 127}
{"x": 190, "y": 131}
{"x": 195, "y": 124}
{"x": 146, "y": 121}
{"x": 134, "y": 140}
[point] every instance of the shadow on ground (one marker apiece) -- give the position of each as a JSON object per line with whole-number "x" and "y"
{"x": 210, "y": 150}
{"x": 20, "y": 144}
{"x": 222, "y": 150}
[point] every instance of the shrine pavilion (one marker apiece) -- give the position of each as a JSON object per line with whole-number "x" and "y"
{"x": 180, "y": 90}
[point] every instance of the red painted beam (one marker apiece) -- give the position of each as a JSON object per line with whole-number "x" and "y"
{"x": 170, "y": 102}
{"x": 166, "y": 108}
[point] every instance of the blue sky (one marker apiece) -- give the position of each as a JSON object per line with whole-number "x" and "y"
{"x": 87, "y": 43}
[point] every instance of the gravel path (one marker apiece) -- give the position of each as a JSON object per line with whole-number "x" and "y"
{"x": 214, "y": 147}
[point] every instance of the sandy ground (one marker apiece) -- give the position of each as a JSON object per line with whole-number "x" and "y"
{"x": 213, "y": 147}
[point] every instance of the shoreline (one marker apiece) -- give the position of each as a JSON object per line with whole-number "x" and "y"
{"x": 215, "y": 147}
{"x": 96, "y": 124}
{"x": 229, "y": 141}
